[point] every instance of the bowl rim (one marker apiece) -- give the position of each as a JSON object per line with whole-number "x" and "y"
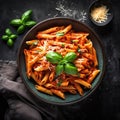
{"x": 100, "y": 2}
{"x": 84, "y": 96}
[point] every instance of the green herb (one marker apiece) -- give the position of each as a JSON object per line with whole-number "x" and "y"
{"x": 63, "y": 45}
{"x": 70, "y": 69}
{"x": 16, "y": 22}
{"x": 5, "y": 37}
{"x": 54, "y": 57}
{"x": 26, "y": 15}
{"x": 30, "y": 23}
{"x": 9, "y": 37}
{"x": 60, "y": 34}
{"x": 74, "y": 41}
{"x": 20, "y": 29}
{"x": 24, "y": 22}
{"x": 79, "y": 50}
{"x": 8, "y": 32}
{"x": 59, "y": 82}
{"x": 70, "y": 57}
{"x": 59, "y": 69}
{"x": 10, "y": 42}
{"x": 63, "y": 64}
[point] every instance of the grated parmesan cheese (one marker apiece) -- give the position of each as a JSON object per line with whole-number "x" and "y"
{"x": 100, "y": 14}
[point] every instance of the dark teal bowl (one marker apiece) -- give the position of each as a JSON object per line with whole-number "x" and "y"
{"x": 77, "y": 26}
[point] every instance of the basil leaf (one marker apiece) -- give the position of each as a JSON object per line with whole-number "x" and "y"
{"x": 8, "y": 32}
{"x": 62, "y": 62}
{"x": 59, "y": 69}
{"x": 30, "y": 23}
{"x": 79, "y": 50}
{"x": 75, "y": 41}
{"x": 59, "y": 82}
{"x": 54, "y": 57}
{"x": 60, "y": 34}
{"x": 5, "y": 37}
{"x": 70, "y": 57}
{"x": 13, "y": 36}
{"x": 26, "y": 15}
{"x": 16, "y": 22}
{"x": 10, "y": 42}
{"x": 70, "y": 69}
{"x": 21, "y": 29}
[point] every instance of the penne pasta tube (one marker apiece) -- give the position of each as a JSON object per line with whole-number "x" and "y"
{"x": 32, "y": 42}
{"x": 52, "y": 75}
{"x": 46, "y": 36}
{"x": 93, "y": 75}
{"x": 69, "y": 87}
{"x": 79, "y": 89}
{"x": 67, "y": 29}
{"x": 58, "y": 93}
{"x": 36, "y": 58}
{"x": 57, "y": 43}
{"x": 50, "y": 30}
{"x": 28, "y": 66}
{"x": 84, "y": 83}
{"x": 49, "y": 85}
{"x": 64, "y": 83}
{"x": 88, "y": 56}
{"x": 45, "y": 79}
{"x": 72, "y": 91}
{"x": 44, "y": 90}
{"x": 95, "y": 57}
{"x": 37, "y": 77}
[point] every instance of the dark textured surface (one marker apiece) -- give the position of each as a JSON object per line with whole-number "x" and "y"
{"x": 105, "y": 102}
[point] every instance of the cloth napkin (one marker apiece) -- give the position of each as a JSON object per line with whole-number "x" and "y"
{"x": 21, "y": 104}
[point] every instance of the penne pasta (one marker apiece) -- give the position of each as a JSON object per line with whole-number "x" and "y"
{"x": 58, "y": 93}
{"x": 52, "y": 75}
{"x": 93, "y": 75}
{"x": 79, "y": 88}
{"x": 44, "y": 90}
{"x": 62, "y": 40}
{"x": 45, "y": 79}
{"x": 82, "y": 82}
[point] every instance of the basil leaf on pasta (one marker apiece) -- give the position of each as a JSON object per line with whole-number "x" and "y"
{"x": 54, "y": 57}
{"x": 70, "y": 57}
{"x": 70, "y": 69}
{"x": 59, "y": 69}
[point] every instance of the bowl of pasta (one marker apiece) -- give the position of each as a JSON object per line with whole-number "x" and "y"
{"x": 61, "y": 61}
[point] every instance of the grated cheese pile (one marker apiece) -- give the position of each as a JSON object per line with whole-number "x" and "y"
{"x": 100, "y": 14}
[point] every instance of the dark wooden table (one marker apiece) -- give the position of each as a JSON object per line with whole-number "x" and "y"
{"x": 105, "y": 102}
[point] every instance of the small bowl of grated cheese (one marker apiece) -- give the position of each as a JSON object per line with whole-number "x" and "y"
{"x": 100, "y": 12}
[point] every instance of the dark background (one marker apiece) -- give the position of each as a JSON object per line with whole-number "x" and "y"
{"x": 105, "y": 102}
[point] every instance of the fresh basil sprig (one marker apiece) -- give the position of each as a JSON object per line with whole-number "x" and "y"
{"x": 24, "y": 22}
{"x": 9, "y": 37}
{"x": 64, "y": 64}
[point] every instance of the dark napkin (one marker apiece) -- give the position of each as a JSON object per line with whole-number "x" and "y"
{"x": 22, "y": 106}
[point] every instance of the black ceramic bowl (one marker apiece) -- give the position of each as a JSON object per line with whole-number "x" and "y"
{"x": 97, "y": 4}
{"x": 77, "y": 26}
